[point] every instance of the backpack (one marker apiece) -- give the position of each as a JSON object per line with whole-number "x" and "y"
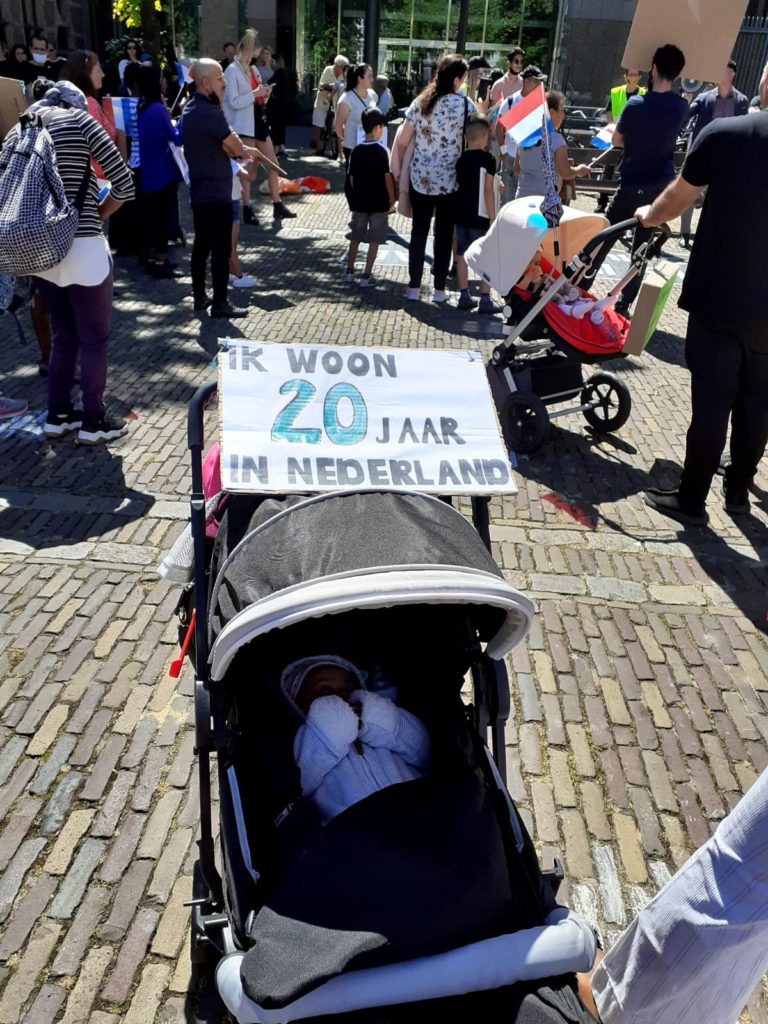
{"x": 37, "y": 221}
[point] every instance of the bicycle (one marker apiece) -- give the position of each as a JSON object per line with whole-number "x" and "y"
{"x": 328, "y": 135}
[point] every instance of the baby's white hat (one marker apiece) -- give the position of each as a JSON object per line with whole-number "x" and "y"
{"x": 293, "y": 675}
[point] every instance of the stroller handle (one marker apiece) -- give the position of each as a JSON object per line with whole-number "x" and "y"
{"x": 609, "y": 234}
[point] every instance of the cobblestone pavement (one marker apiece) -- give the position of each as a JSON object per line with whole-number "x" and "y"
{"x": 640, "y": 698}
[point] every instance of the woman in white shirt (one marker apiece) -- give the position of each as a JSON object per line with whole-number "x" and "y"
{"x": 436, "y": 120}
{"x": 243, "y": 89}
{"x": 358, "y": 97}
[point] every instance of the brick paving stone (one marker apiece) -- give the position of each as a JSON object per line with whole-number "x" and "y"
{"x": 579, "y": 745}
{"x": 577, "y": 848}
{"x": 544, "y": 812}
{"x": 16, "y": 829}
{"x": 46, "y": 1005}
{"x": 695, "y": 824}
{"x": 113, "y": 805}
{"x": 16, "y": 785}
{"x": 27, "y": 912}
{"x": 529, "y": 701}
{"x": 593, "y": 802}
{"x": 530, "y": 749}
{"x": 174, "y": 924}
{"x": 76, "y": 880}
{"x": 24, "y": 978}
{"x": 169, "y": 864}
{"x": 553, "y": 721}
{"x": 89, "y": 701}
{"x": 630, "y": 850}
{"x": 647, "y": 736}
{"x": 48, "y": 771}
{"x": 9, "y": 756}
{"x": 147, "y": 784}
{"x": 659, "y": 780}
{"x": 144, "y": 1004}
{"x": 63, "y": 850}
{"x": 647, "y": 821}
{"x": 132, "y": 952}
{"x": 83, "y": 995}
{"x": 103, "y": 768}
{"x": 57, "y": 807}
{"x": 127, "y": 898}
{"x": 84, "y": 750}
{"x": 142, "y": 737}
{"x": 609, "y": 885}
{"x": 178, "y": 773}
{"x": 123, "y": 847}
{"x": 13, "y": 876}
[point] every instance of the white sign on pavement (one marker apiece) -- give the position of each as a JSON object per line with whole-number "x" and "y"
{"x": 323, "y": 417}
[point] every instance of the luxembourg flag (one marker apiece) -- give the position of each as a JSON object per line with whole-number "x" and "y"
{"x": 524, "y": 121}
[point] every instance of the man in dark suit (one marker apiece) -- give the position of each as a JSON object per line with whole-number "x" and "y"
{"x": 722, "y": 101}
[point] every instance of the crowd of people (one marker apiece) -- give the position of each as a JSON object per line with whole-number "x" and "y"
{"x": 131, "y": 188}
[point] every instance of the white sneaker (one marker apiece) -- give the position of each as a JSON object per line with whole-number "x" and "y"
{"x": 439, "y": 296}
{"x": 412, "y": 295}
{"x": 246, "y": 281}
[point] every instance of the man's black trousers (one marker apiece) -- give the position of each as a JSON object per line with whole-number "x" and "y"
{"x": 213, "y": 236}
{"x": 729, "y": 379}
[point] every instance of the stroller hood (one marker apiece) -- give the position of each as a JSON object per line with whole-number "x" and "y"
{"x": 281, "y": 561}
{"x": 501, "y": 255}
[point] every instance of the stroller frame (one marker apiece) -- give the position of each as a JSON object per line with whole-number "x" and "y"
{"x": 211, "y": 928}
{"x": 524, "y": 411}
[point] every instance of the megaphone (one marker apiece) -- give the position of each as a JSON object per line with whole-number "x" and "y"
{"x": 691, "y": 85}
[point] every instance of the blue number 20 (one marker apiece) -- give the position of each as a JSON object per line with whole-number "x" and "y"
{"x": 283, "y": 428}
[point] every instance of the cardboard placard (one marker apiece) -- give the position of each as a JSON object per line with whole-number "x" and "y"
{"x": 652, "y": 298}
{"x": 309, "y": 418}
{"x": 13, "y": 103}
{"x": 705, "y": 30}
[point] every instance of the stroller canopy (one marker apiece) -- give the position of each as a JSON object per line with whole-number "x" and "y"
{"x": 503, "y": 253}
{"x": 295, "y": 558}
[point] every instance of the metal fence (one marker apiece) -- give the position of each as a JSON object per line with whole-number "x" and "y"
{"x": 751, "y": 54}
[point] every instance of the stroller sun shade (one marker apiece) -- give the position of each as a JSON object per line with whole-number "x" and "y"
{"x": 502, "y": 254}
{"x": 298, "y": 558}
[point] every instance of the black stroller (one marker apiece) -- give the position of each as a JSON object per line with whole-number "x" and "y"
{"x": 424, "y": 891}
{"x": 541, "y": 361}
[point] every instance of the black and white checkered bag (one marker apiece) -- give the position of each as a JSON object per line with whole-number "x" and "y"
{"x": 37, "y": 221}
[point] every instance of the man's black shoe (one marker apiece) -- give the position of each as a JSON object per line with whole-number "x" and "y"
{"x": 202, "y": 304}
{"x": 736, "y": 500}
{"x": 668, "y": 503}
{"x": 249, "y": 217}
{"x": 280, "y": 211}
{"x": 226, "y": 312}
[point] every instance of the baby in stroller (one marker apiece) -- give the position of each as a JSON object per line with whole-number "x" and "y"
{"x": 353, "y": 742}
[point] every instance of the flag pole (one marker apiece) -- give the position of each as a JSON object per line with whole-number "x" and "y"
{"x": 410, "y": 38}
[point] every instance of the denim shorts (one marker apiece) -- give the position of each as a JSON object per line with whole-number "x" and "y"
{"x": 465, "y": 237}
{"x": 235, "y": 211}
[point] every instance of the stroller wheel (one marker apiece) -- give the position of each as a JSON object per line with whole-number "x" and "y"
{"x": 610, "y": 401}
{"x": 525, "y": 422}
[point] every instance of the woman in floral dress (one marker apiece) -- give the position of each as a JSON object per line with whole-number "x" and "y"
{"x": 436, "y": 119}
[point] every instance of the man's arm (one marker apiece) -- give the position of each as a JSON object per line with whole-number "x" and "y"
{"x": 617, "y": 140}
{"x": 389, "y": 181}
{"x": 234, "y": 147}
{"x": 675, "y": 198}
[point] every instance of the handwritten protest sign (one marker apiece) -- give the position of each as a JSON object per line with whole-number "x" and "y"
{"x": 321, "y": 417}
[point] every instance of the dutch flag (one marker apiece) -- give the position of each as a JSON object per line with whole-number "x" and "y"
{"x": 525, "y": 120}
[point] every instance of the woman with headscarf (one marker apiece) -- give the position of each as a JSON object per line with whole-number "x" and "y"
{"x": 436, "y": 120}
{"x": 78, "y": 291}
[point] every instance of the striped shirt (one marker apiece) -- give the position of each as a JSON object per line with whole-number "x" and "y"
{"x": 77, "y": 138}
{"x": 695, "y": 953}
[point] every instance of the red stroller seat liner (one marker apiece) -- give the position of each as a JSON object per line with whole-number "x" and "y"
{"x": 606, "y": 338}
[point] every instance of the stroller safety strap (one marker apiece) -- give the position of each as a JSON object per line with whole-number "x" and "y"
{"x": 565, "y": 944}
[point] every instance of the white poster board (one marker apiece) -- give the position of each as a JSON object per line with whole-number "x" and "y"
{"x": 297, "y": 418}
{"x": 705, "y": 30}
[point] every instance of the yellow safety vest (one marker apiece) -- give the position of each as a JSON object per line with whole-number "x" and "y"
{"x": 619, "y": 100}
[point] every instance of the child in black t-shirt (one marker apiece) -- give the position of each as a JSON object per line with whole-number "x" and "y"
{"x": 475, "y": 206}
{"x": 371, "y": 195}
